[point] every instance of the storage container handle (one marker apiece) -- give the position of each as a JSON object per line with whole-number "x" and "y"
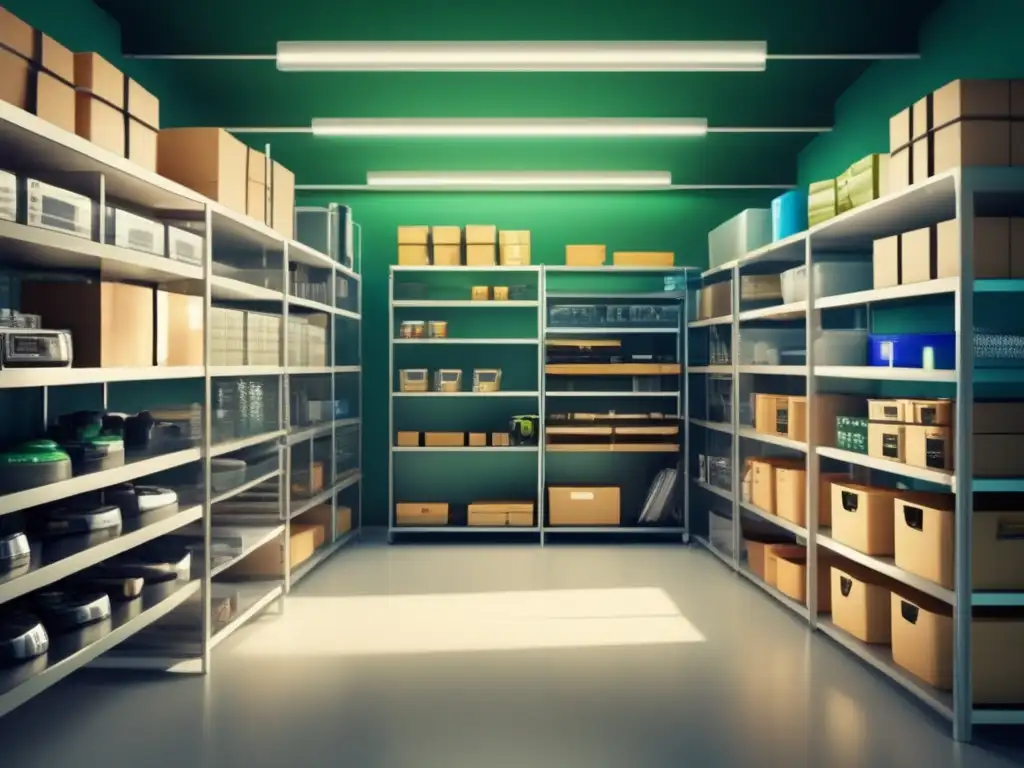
{"x": 909, "y": 611}
{"x": 845, "y": 585}
{"x": 929, "y": 415}
{"x": 1007, "y": 530}
{"x": 850, "y": 501}
{"x": 914, "y": 518}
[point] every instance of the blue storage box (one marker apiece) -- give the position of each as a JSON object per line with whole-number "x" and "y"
{"x": 789, "y": 214}
{"x": 906, "y": 350}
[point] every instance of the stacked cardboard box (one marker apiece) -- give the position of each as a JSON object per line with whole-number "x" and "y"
{"x": 481, "y": 245}
{"x": 714, "y": 300}
{"x": 37, "y": 73}
{"x": 786, "y": 415}
{"x": 822, "y": 201}
{"x": 514, "y": 246}
{"x": 413, "y": 246}
{"x": 446, "y": 246}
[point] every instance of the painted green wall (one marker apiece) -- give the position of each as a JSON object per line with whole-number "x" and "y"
{"x": 676, "y": 221}
{"x": 964, "y": 38}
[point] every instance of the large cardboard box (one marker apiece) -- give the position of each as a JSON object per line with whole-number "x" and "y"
{"x": 862, "y": 604}
{"x": 771, "y": 414}
{"x": 885, "y": 259}
{"x": 179, "y": 329}
{"x": 791, "y": 495}
{"x": 583, "y": 505}
{"x": 990, "y": 251}
{"x": 758, "y": 555}
{"x": 141, "y": 144}
{"x": 791, "y": 576}
{"x": 413, "y": 255}
{"x": 900, "y": 170}
{"x": 900, "y": 133}
{"x": 111, "y": 323}
{"x": 504, "y": 513}
{"x": 585, "y": 255}
{"x": 256, "y": 202}
{"x": 922, "y": 159}
{"x": 997, "y": 545}
{"x": 972, "y": 143}
{"x": 514, "y": 255}
{"x": 481, "y": 255}
{"x": 142, "y": 105}
{"x": 414, "y": 513}
{"x": 96, "y": 75}
{"x": 643, "y": 258}
{"x": 924, "y": 536}
{"x": 282, "y": 200}
{"x": 100, "y": 123}
{"x": 917, "y": 254}
{"x": 209, "y": 160}
{"x": 714, "y": 301}
{"x": 863, "y": 518}
{"x": 413, "y": 235}
{"x": 36, "y": 72}
{"x": 970, "y": 98}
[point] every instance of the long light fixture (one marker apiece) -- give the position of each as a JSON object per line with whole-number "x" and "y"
{"x": 509, "y": 127}
{"x": 612, "y": 56}
{"x": 518, "y": 180}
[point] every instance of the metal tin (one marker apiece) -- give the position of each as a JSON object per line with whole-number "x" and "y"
{"x": 412, "y": 329}
{"x": 437, "y": 329}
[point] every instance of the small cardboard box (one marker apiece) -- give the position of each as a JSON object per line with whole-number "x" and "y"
{"x": 886, "y": 441}
{"x": 413, "y": 235}
{"x": 586, "y": 505}
{"x": 791, "y": 576}
{"x": 446, "y": 235}
{"x": 413, "y": 255}
{"x": 935, "y": 413}
{"x": 478, "y": 439}
{"x": 900, "y": 133}
{"x": 269, "y": 560}
{"x": 922, "y": 159}
{"x": 900, "y": 170}
{"x": 416, "y": 513}
{"x": 408, "y": 439}
{"x": 585, "y": 255}
{"x": 446, "y": 255}
{"x": 917, "y": 254}
{"x": 861, "y": 604}
{"x": 444, "y": 439}
{"x": 924, "y": 536}
{"x": 480, "y": 293}
{"x": 862, "y": 517}
{"x": 100, "y": 123}
{"x": 827, "y": 409}
{"x": 893, "y": 411}
{"x": 771, "y": 414}
{"x": 481, "y": 234}
{"x": 36, "y": 72}
{"x": 179, "y": 329}
{"x": 209, "y": 160}
{"x": 643, "y": 258}
{"x": 885, "y": 259}
{"x": 972, "y": 143}
{"x": 714, "y": 300}
{"x": 515, "y": 255}
{"x": 757, "y": 557}
{"x": 991, "y": 249}
{"x": 762, "y": 485}
{"x": 500, "y": 293}
{"x": 503, "y": 513}
{"x": 413, "y": 380}
{"x": 481, "y": 255}
{"x": 791, "y": 494}
{"x": 928, "y": 447}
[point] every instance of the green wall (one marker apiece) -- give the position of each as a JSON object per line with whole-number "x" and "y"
{"x": 676, "y": 221}
{"x": 964, "y": 38}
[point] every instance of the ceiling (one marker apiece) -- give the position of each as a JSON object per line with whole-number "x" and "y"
{"x": 791, "y": 93}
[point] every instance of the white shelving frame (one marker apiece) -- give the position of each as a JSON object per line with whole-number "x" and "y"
{"x": 953, "y": 194}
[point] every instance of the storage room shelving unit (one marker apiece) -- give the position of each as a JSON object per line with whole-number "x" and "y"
{"x": 513, "y": 332}
{"x": 171, "y": 626}
{"x": 961, "y": 194}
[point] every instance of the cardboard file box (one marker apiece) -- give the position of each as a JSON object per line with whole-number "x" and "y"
{"x": 934, "y": 413}
{"x": 481, "y": 234}
{"x": 589, "y": 505}
{"x": 408, "y": 439}
{"x": 413, "y": 255}
{"x": 179, "y": 329}
{"x": 414, "y": 513}
{"x": 446, "y": 235}
{"x": 862, "y": 518}
{"x": 791, "y": 576}
{"x": 791, "y": 495}
{"x": 714, "y": 301}
{"x": 861, "y": 604}
{"x": 585, "y": 255}
{"x": 481, "y": 255}
{"x": 500, "y": 514}
{"x": 209, "y": 160}
{"x": 643, "y": 259}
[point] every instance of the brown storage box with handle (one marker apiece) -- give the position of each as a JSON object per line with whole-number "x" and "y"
{"x": 862, "y": 518}
{"x": 791, "y": 575}
{"x": 861, "y": 604}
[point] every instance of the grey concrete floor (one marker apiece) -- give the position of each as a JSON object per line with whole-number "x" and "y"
{"x": 735, "y": 680}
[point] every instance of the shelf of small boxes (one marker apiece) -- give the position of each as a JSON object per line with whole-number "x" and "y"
{"x": 444, "y": 246}
{"x": 486, "y": 381}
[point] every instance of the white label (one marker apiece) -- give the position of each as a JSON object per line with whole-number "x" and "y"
{"x": 887, "y": 352}
{"x": 581, "y": 496}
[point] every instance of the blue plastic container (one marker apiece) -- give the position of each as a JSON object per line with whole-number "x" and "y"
{"x": 789, "y": 214}
{"x": 907, "y": 350}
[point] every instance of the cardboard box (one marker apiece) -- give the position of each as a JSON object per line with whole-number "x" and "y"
{"x": 478, "y": 439}
{"x": 282, "y": 200}
{"x": 862, "y": 517}
{"x": 928, "y": 447}
{"x": 917, "y": 255}
{"x": 100, "y": 123}
{"x": 998, "y": 417}
{"x": 714, "y": 300}
{"x": 36, "y": 78}
{"x": 861, "y": 604}
{"x": 771, "y": 563}
{"x": 97, "y": 76}
{"x": 209, "y": 160}
{"x": 771, "y": 414}
{"x": 762, "y": 485}
{"x": 446, "y": 255}
{"x": 414, "y": 513}
{"x": 972, "y": 143}
{"x": 924, "y": 536}
{"x": 990, "y": 250}
{"x": 936, "y": 413}
{"x": 922, "y": 159}
{"x": 760, "y": 287}
{"x": 141, "y": 144}
{"x": 141, "y": 104}
{"x": 643, "y": 258}
{"x": 343, "y": 520}
{"x": 514, "y": 237}
{"x": 256, "y": 186}
{"x": 444, "y": 439}
{"x": 893, "y": 411}
{"x": 413, "y": 235}
{"x": 586, "y": 505}
{"x": 585, "y": 255}
{"x": 921, "y": 117}
{"x": 481, "y": 234}
{"x": 500, "y": 439}
{"x": 269, "y": 560}
{"x": 885, "y": 259}
{"x": 446, "y": 235}
{"x": 886, "y": 441}
{"x": 179, "y": 329}
{"x": 758, "y": 557}
{"x": 500, "y": 513}
{"x": 997, "y": 545}
{"x": 900, "y": 134}
{"x": 965, "y": 99}
{"x": 791, "y": 494}
{"x": 408, "y": 439}
{"x": 111, "y": 323}
{"x": 481, "y": 255}
{"x": 791, "y": 576}
{"x": 901, "y": 169}
{"x": 827, "y": 409}
{"x": 480, "y": 293}
{"x": 413, "y": 255}
{"x": 998, "y": 455}
{"x": 515, "y": 255}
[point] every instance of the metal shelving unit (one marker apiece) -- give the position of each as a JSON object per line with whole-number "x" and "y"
{"x": 960, "y": 194}
{"x": 32, "y": 146}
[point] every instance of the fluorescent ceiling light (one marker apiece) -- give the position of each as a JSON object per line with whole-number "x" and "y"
{"x": 614, "y": 56}
{"x": 518, "y": 180}
{"x": 510, "y": 127}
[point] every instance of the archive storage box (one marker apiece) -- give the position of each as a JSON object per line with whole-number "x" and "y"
{"x": 589, "y": 505}
{"x": 585, "y": 255}
{"x": 863, "y": 518}
{"x": 861, "y": 603}
{"x": 745, "y": 232}
{"x": 416, "y": 513}
{"x": 99, "y": 102}
{"x": 36, "y": 72}
{"x": 481, "y": 245}
{"x": 514, "y": 246}
{"x": 209, "y": 160}
{"x": 791, "y": 576}
{"x": 500, "y": 513}
{"x": 413, "y": 248}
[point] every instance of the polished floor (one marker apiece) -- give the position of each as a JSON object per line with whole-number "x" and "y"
{"x": 503, "y": 657}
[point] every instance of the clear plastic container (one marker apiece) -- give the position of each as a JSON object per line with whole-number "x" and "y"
{"x": 831, "y": 278}
{"x": 841, "y": 348}
{"x": 764, "y": 346}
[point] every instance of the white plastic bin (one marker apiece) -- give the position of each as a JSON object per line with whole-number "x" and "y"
{"x": 746, "y": 231}
{"x": 764, "y": 346}
{"x": 841, "y": 348}
{"x": 831, "y": 278}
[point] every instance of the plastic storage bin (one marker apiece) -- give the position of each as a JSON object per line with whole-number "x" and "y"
{"x": 576, "y": 316}
{"x": 789, "y": 214}
{"x": 831, "y": 278}
{"x": 765, "y": 346}
{"x": 744, "y": 232}
{"x": 841, "y": 348}
{"x": 907, "y": 350}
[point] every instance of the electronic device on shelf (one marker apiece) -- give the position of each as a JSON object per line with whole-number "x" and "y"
{"x": 184, "y": 246}
{"x": 34, "y": 348}
{"x": 63, "y": 611}
{"x": 128, "y": 230}
{"x": 82, "y": 519}
{"x": 8, "y": 196}
{"x": 136, "y": 500}
{"x": 15, "y": 551}
{"x": 32, "y": 464}
{"x": 12, "y": 318}
{"x": 60, "y": 210}
{"x": 159, "y": 431}
{"x": 22, "y": 638}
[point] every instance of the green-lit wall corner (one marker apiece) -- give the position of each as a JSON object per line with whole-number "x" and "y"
{"x": 964, "y": 38}
{"x": 676, "y": 221}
